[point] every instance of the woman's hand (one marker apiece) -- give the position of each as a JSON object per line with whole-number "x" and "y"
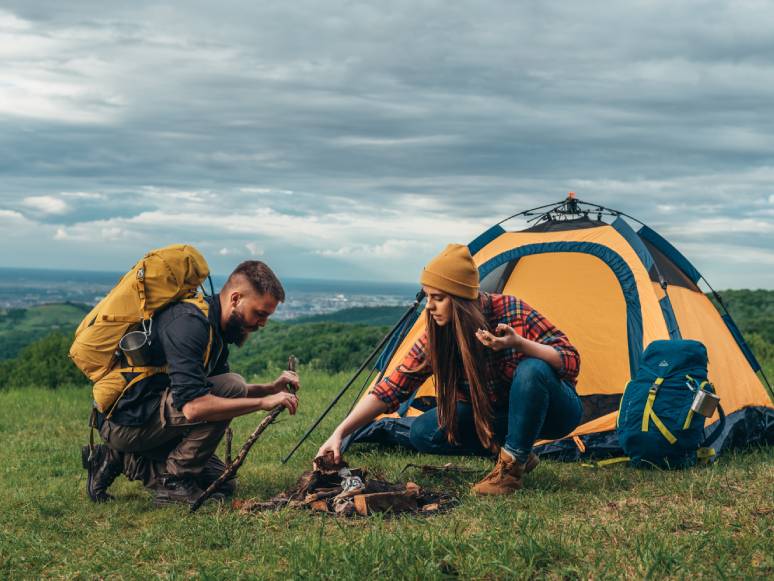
{"x": 505, "y": 337}
{"x": 362, "y": 414}
{"x": 331, "y": 446}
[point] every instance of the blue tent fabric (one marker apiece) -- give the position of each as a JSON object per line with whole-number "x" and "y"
{"x": 485, "y": 238}
{"x": 622, "y": 227}
{"x": 670, "y": 252}
{"x": 669, "y": 318}
{"x": 745, "y": 427}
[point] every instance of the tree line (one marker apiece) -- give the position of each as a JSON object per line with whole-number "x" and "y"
{"x": 320, "y": 343}
{"x": 329, "y": 347}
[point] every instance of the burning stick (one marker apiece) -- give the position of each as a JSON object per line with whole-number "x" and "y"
{"x": 232, "y": 468}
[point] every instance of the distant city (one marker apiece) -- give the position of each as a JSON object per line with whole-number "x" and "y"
{"x": 21, "y": 288}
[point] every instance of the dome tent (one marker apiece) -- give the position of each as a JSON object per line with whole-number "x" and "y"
{"x": 613, "y": 291}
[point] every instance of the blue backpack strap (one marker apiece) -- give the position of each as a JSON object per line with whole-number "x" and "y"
{"x": 648, "y": 414}
{"x": 718, "y": 429}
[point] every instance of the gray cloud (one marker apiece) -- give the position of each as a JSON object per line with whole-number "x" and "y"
{"x": 329, "y": 113}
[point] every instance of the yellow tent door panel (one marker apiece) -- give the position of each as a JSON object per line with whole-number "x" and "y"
{"x": 581, "y": 296}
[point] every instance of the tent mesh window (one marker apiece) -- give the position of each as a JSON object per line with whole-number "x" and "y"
{"x": 672, "y": 275}
{"x": 562, "y": 225}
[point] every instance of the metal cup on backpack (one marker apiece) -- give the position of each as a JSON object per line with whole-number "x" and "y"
{"x": 705, "y": 403}
{"x": 136, "y": 346}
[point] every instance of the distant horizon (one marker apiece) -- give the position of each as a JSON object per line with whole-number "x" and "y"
{"x": 395, "y": 283}
{"x": 213, "y": 274}
{"x": 25, "y": 287}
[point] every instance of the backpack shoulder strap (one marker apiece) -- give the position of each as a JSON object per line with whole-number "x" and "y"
{"x": 200, "y": 303}
{"x": 648, "y": 414}
{"x": 208, "y": 350}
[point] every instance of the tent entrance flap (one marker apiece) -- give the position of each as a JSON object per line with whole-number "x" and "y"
{"x": 581, "y": 296}
{"x": 579, "y": 269}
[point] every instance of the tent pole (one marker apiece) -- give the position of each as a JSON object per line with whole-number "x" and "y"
{"x": 377, "y": 349}
{"x": 403, "y": 333}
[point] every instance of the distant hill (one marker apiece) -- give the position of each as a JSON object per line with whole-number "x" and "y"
{"x": 338, "y": 340}
{"x": 753, "y": 311}
{"x": 20, "y": 327}
{"x": 358, "y": 316}
{"x": 328, "y": 345}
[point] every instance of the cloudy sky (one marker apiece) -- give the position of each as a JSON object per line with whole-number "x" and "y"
{"x": 344, "y": 139}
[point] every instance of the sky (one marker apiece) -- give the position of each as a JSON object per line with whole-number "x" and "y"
{"x": 352, "y": 139}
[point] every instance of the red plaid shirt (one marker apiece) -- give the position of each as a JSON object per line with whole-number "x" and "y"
{"x": 401, "y": 384}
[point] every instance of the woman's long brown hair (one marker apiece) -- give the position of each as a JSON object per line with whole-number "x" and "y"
{"x": 456, "y": 354}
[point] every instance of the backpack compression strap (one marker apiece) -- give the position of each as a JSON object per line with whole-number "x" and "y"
{"x": 142, "y": 373}
{"x": 141, "y": 290}
{"x": 648, "y": 414}
{"x": 146, "y": 372}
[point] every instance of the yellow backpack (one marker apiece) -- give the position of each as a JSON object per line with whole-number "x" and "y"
{"x": 161, "y": 277}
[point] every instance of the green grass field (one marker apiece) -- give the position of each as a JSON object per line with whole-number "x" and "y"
{"x": 569, "y": 522}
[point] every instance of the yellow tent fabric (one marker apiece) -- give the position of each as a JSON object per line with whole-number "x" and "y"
{"x": 612, "y": 291}
{"x": 737, "y": 384}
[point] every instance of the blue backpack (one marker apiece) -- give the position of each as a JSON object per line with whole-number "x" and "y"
{"x": 656, "y": 425}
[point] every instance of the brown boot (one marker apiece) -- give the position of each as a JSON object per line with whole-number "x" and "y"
{"x": 506, "y": 476}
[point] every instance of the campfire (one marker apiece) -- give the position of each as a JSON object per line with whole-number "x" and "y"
{"x": 340, "y": 490}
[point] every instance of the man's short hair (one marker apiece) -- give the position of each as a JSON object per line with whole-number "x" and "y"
{"x": 261, "y": 278}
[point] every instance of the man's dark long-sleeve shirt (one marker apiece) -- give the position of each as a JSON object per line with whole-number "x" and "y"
{"x": 179, "y": 339}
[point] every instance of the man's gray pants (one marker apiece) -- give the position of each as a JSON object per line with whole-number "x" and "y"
{"x": 170, "y": 445}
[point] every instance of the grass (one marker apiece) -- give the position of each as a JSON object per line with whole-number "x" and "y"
{"x": 569, "y": 521}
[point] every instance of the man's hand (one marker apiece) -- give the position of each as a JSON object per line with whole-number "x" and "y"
{"x": 505, "y": 337}
{"x": 284, "y": 398}
{"x": 286, "y": 378}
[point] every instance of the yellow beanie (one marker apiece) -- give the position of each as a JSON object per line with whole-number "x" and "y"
{"x": 452, "y": 271}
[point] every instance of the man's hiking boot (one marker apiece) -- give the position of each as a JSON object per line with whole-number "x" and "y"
{"x": 507, "y": 475}
{"x": 105, "y": 466}
{"x": 212, "y": 471}
{"x": 180, "y": 490}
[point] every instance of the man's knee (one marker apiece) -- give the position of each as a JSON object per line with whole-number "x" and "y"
{"x": 228, "y": 385}
{"x": 533, "y": 374}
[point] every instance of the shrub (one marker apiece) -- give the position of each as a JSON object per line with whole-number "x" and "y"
{"x": 43, "y": 363}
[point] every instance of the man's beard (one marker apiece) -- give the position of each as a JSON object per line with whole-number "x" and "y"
{"x": 236, "y": 331}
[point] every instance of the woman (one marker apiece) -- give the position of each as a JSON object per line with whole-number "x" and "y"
{"x": 504, "y": 376}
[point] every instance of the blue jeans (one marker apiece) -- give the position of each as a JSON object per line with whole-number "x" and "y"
{"x": 540, "y": 406}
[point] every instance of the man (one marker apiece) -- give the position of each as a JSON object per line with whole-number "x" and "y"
{"x": 164, "y": 430}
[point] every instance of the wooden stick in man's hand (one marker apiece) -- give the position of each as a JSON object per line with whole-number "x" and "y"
{"x": 234, "y": 466}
